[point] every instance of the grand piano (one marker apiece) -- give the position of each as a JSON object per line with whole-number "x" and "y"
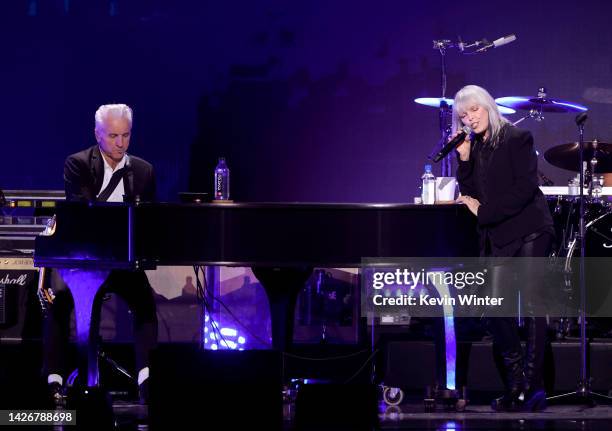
{"x": 282, "y": 242}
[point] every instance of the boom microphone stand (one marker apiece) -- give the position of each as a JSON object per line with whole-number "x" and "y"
{"x": 445, "y": 110}
{"x": 476, "y": 47}
{"x": 583, "y": 392}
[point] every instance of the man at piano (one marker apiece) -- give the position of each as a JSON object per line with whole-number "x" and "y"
{"x": 105, "y": 172}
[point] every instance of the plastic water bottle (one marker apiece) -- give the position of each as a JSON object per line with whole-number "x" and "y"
{"x": 428, "y": 192}
{"x": 222, "y": 181}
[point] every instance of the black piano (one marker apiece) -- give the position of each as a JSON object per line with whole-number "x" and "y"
{"x": 282, "y": 242}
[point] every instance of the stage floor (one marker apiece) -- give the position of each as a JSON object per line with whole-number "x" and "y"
{"x": 410, "y": 416}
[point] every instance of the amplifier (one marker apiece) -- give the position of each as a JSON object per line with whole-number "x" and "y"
{"x": 20, "y": 313}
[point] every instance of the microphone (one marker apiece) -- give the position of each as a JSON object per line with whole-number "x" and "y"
{"x": 504, "y": 40}
{"x": 581, "y": 118}
{"x": 498, "y": 42}
{"x": 465, "y": 130}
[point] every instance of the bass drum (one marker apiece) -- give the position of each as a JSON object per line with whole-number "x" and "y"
{"x": 565, "y": 211}
{"x": 598, "y": 271}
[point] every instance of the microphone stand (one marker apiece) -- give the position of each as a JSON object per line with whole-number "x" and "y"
{"x": 583, "y": 392}
{"x": 442, "y": 45}
{"x": 445, "y": 110}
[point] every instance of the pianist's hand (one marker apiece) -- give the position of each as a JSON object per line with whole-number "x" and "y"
{"x": 471, "y": 203}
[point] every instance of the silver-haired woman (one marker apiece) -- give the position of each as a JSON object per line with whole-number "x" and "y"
{"x": 498, "y": 179}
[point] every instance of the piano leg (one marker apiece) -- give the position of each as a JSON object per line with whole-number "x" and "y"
{"x": 84, "y": 285}
{"x": 282, "y": 286}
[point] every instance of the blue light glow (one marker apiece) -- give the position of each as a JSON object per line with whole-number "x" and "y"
{"x": 450, "y": 341}
{"x": 571, "y": 105}
{"x": 516, "y": 100}
{"x": 228, "y": 344}
{"x": 451, "y": 350}
{"x": 505, "y": 110}
{"x": 229, "y": 332}
{"x": 509, "y": 100}
{"x": 434, "y": 102}
{"x": 217, "y": 338}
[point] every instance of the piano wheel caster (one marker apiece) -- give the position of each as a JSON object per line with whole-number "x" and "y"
{"x": 429, "y": 405}
{"x": 393, "y": 396}
{"x": 461, "y": 404}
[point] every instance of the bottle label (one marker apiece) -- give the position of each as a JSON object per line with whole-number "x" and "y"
{"x": 221, "y": 185}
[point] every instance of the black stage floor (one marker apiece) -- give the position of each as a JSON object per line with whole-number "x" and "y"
{"x": 219, "y": 407}
{"x": 410, "y": 416}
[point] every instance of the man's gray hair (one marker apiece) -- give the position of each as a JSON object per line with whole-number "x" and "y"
{"x": 475, "y": 94}
{"x": 118, "y": 110}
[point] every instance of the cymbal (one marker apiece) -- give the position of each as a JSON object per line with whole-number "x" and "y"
{"x": 567, "y": 156}
{"x": 527, "y": 103}
{"x": 435, "y": 102}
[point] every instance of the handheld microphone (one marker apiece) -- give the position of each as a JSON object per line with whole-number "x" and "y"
{"x": 498, "y": 42}
{"x": 465, "y": 130}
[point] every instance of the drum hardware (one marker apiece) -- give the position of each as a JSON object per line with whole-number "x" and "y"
{"x": 564, "y": 326}
{"x": 583, "y": 390}
{"x": 566, "y": 156}
{"x": 536, "y": 106}
{"x": 539, "y": 104}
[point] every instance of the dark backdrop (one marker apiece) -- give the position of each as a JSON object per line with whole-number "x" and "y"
{"x": 308, "y": 100}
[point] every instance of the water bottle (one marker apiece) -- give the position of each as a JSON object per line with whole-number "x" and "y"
{"x": 428, "y": 192}
{"x": 222, "y": 181}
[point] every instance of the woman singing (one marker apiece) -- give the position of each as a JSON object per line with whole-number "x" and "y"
{"x": 498, "y": 179}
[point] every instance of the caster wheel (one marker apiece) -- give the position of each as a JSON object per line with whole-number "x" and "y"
{"x": 393, "y": 396}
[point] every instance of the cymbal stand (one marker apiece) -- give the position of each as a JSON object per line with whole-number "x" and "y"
{"x": 536, "y": 114}
{"x": 583, "y": 392}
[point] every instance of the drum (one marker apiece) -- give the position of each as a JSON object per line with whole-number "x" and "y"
{"x": 598, "y": 273}
{"x": 598, "y": 262}
{"x": 565, "y": 211}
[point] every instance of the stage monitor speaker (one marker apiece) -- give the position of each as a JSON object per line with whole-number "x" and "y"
{"x": 190, "y": 386}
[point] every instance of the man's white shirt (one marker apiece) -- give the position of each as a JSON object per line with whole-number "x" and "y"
{"x": 117, "y": 194}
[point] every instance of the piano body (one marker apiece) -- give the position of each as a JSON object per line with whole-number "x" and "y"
{"x": 282, "y": 242}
